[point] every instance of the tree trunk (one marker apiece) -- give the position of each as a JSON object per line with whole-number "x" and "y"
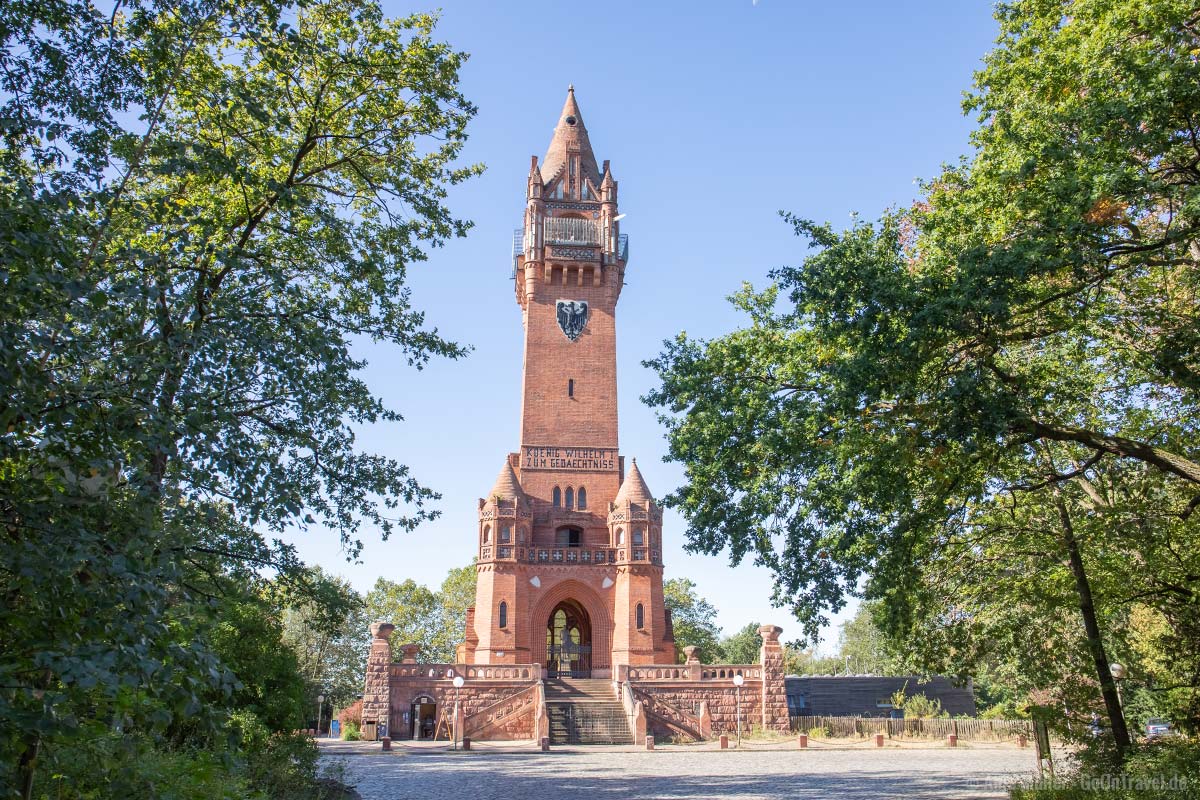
{"x": 27, "y": 766}
{"x": 1108, "y": 686}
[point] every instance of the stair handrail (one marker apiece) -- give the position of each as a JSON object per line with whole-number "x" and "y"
{"x": 677, "y": 718}
{"x": 482, "y": 714}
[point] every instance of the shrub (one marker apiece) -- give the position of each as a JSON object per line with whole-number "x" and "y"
{"x": 1162, "y": 770}
{"x": 820, "y": 732}
{"x": 351, "y": 732}
{"x": 351, "y": 715}
{"x": 109, "y": 764}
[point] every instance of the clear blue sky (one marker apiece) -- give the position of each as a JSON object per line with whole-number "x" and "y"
{"x": 715, "y": 115}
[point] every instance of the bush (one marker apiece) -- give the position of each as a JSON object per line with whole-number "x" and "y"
{"x": 351, "y": 732}
{"x": 351, "y": 715}
{"x": 820, "y": 732}
{"x": 1167, "y": 769}
{"x": 109, "y": 764}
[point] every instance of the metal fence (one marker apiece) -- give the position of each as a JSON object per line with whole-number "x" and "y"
{"x": 940, "y": 728}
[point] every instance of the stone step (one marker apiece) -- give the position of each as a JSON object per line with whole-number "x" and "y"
{"x": 588, "y": 723}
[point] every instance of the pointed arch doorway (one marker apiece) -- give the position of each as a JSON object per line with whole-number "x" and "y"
{"x": 569, "y": 641}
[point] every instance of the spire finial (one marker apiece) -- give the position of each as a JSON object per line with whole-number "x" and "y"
{"x": 571, "y": 88}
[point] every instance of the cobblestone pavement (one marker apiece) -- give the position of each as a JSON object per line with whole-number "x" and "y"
{"x": 603, "y": 773}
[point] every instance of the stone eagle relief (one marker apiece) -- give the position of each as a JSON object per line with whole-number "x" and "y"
{"x": 572, "y": 317}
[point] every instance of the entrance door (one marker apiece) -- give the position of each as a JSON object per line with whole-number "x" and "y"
{"x": 569, "y": 642}
{"x": 423, "y": 718}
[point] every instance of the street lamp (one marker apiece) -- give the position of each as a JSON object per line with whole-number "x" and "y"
{"x": 320, "y": 708}
{"x": 738, "y": 680}
{"x": 458, "y": 684}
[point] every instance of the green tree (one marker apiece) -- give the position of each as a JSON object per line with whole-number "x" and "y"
{"x": 1030, "y": 323}
{"x": 863, "y": 645}
{"x": 325, "y": 624}
{"x": 456, "y": 595}
{"x": 693, "y": 619}
{"x": 414, "y": 610}
{"x": 743, "y": 646}
{"x": 434, "y": 620}
{"x": 203, "y": 204}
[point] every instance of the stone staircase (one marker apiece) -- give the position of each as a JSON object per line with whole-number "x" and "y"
{"x": 585, "y": 711}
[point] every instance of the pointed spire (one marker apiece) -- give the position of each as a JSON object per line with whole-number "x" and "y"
{"x": 634, "y": 489}
{"x": 507, "y": 487}
{"x": 570, "y": 136}
{"x": 608, "y": 178}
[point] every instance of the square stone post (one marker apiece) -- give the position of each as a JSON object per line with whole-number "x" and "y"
{"x": 377, "y": 692}
{"x": 774, "y": 690}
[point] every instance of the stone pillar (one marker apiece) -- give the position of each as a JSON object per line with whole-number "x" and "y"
{"x": 377, "y": 693}
{"x": 774, "y": 691}
{"x": 408, "y": 653}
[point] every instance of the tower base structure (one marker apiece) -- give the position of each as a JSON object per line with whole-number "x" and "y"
{"x": 516, "y": 702}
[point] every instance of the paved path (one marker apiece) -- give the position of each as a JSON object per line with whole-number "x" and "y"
{"x": 604, "y": 773}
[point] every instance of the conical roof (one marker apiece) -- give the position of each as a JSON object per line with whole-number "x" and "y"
{"x": 507, "y": 487}
{"x": 634, "y": 489}
{"x": 570, "y": 135}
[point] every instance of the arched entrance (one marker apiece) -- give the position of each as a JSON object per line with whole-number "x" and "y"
{"x": 422, "y": 718}
{"x": 569, "y": 641}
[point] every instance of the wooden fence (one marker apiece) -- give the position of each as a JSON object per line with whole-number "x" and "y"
{"x": 965, "y": 729}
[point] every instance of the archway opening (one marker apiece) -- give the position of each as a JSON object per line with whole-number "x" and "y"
{"x": 422, "y": 718}
{"x": 569, "y": 641}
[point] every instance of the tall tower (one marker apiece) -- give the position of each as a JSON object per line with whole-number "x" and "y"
{"x": 570, "y": 547}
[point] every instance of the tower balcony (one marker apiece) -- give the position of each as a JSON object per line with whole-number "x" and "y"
{"x": 566, "y": 231}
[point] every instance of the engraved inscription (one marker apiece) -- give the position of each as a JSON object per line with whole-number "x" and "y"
{"x": 583, "y": 459}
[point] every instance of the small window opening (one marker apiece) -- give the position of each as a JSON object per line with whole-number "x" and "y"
{"x": 641, "y": 617}
{"x": 570, "y": 387}
{"x": 581, "y": 500}
{"x": 503, "y": 614}
{"x": 557, "y": 495}
{"x": 568, "y": 537}
{"x": 570, "y": 497}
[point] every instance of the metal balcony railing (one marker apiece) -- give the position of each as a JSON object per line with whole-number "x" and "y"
{"x": 566, "y": 230}
{"x": 518, "y": 249}
{"x": 569, "y": 231}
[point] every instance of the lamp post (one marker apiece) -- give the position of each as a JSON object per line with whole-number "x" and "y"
{"x": 320, "y": 708}
{"x": 738, "y": 680}
{"x": 458, "y": 684}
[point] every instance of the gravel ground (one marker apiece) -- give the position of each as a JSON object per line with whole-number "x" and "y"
{"x": 602, "y": 773}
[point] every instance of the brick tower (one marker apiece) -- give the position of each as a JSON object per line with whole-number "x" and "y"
{"x": 570, "y": 549}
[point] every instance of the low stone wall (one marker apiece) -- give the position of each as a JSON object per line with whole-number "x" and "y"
{"x": 481, "y": 700}
{"x": 690, "y": 698}
{"x": 503, "y": 701}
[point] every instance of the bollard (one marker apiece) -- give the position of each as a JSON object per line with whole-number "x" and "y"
{"x": 386, "y": 742}
{"x": 545, "y": 744}
{"x": 466, "y": 742}
{"x": 1022, "y": 741}
{"x": 879, "y": 740}
{"x": 724, "y": 742}
{"x": 649, "y": 742}
{"x": 953, "y": 740}
{"x": 803, "y": 741}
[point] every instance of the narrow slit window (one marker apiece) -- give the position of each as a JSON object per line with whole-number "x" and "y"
{"x": 570, "y": 497}
{"x": 641, "y": 617}
{"x": 570, "y": 387}
{"x": 557, "y": 495}
{"x": 581, "y": 500}
{"x": 503, "y": 614}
